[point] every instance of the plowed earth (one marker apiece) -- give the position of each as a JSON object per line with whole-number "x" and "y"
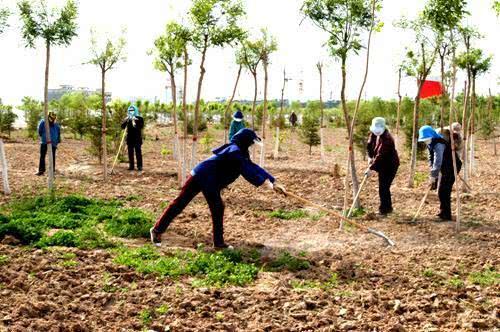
{"x": 422, "y": 284}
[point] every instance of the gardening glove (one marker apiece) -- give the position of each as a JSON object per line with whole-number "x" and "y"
{"x": 269, "y": 185}
{"x": 368, "y": 173}
{"x": 279, "y": 188}
{"x": 433, "y": 182}
{"x": 133, "y": 122}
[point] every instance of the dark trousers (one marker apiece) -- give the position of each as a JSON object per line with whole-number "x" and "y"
{"x": 190, "y": 189}
{"x": 385, "y": 179}
{"x": 43, "y": 154}
{"x": 444, "y": 193}
{"x": 138, "y": 153}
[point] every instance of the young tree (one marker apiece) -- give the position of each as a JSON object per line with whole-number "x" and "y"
{"x": 398, "y": 114}
{"x": 106, "y": 57}
{"x": 215, "y": 23}
{"x": 496, "y": 7}
{"x": 55, "y": 27}
{"x": 418, "y": 63}
{"x": 280, "y": 116}
{"x": 168, "y": 52}
{"x": 250, "y": 54}
{"x": 33, "y": 110}
{"x": 344, "y": 21}
{"x": 7, "y": 119}
{"x": 309, "y": 131}
{"x": 268, "y": 45}
{"x": 444, "y": 17}
{"x": 478, "y": 65}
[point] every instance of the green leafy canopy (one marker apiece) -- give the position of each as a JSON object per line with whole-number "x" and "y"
{"x": 55, "y": 26}
{"x": 108, "y": 53}
{"x": 169, "y": 47}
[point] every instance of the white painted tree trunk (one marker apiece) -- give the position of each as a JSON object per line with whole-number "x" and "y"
{"x": 472, "y": 161}
{"x": 5, "y": 176}
{"x": 277, "y": 144}
{"x": 262, "y": 154}
{"x": 193, "y": 154}
{"x": 322, "y": 144}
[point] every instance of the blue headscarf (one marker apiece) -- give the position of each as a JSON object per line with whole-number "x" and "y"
{"x": 135, "y": 109}
{"x": 427, "y": 132}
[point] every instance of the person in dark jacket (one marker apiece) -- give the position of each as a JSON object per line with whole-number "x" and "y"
{"x": 55, "y": 139}
{"x": 134, "y": 124}
{"x": 210, "y": 177}
{"x": 236, "y": 124}
{"x": 293, "y": 119}
{"x": 383, "y": 159}
{"x": 440, "y": 162}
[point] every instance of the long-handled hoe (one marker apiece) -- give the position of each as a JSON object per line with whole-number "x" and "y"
{"x": 338, "y": 215}
{"x": 357, "y": 195}
{"x": 119, "y": 150}
{"x": 421, "y": 204}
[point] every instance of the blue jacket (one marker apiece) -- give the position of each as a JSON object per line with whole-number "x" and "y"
{"x": 55, "y": 133}
{"x": 440, "y": 158}
{"x": 229, "y": 162}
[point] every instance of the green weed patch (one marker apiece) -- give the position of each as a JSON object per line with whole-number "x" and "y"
{"x": 219, "y": 269}
{"x": 75, "y": 218}
{"x": 285, "y": 261}
{"x": 486, "y": 277}
{"x": 288, "y": 215}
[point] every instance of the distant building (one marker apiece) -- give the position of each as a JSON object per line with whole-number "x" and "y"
{"x": 56, "y": 94}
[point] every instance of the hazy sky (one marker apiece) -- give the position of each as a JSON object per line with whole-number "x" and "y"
{"x": 300, "y": 47}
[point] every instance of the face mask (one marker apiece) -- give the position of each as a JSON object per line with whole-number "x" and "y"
{"x": 428, "y": 141}
{"x": 378, "y": 131}
{"x": 131, "y": 113}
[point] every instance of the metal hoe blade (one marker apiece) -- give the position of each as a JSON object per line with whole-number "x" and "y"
{"x": 382, "y": 235}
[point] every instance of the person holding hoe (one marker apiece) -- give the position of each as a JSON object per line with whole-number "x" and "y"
{"x": 236, "y": 124}
{"x": 133, "y": 124}
{"x": 383, "y": 159}
{"x": 440, "y": 162}
{"x": 211, "y": 176}
{"x": 55, "y": 139}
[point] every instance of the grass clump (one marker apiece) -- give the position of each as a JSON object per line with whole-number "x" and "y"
{"x": 129, "y": 223}
{"x": 146, "y": 317}
{"x": 428, "y": 273}
{"x": 219, "y": 269}
{"x": 286, "y": 261}
{"x": 486, "y": 277}
{"x": 331, "y": 283}
{"x": 288, "y": 215}
{"x": 4, "y": 259}
{"x": 456, "y": 282}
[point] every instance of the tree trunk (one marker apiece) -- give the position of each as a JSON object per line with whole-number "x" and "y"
{"x": 47, "y": 126}
{"x": 104, "y": 145}
{"x": 197, "y": 103}
{"x": 321, "y": 138}
{"x": 177, "y": 149}
{"x": 398, "y": 120}
{"x": 278, "y": 124}
{"x": 414, "y": 143}
{"x": 443, "y": 94}
{"x": 465, "y": 128}
{"x": 350, "y": 156}
{"x": 457, "y": 187}
{"x": 264, "y": 117}
{"x": 229, "y": 104}
{"x": 472, "y": 127}
{"x": 354, "y": 176}
{"x": 184, "y": 111}
{"x": 254, "y": 105}
{"x": 490, "y": 117}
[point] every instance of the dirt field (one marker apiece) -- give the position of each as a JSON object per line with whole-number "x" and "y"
{"x": 425, "y": 283}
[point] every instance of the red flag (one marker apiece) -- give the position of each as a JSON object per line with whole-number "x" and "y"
{"x": 431, "y": 89}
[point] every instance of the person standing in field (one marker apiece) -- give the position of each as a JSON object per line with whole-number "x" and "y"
{"x": 134, "y": 124}
{"x": 210, "y": 177}
{"x": 236, "y": 124}
{"x": 293, "y": 119}
{"x": 440, "y": 162}
{"x": 383, "y": 159}
{"x": 55, "y": 139}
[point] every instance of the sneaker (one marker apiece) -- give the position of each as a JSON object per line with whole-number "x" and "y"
{"x": 39, "y": 173}
{"x": 155, "y": 237}
{"x": 444, "y": 217}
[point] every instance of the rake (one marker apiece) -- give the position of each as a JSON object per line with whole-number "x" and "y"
{"x": 338, "y": 215}
{"x": 119, "y": 150}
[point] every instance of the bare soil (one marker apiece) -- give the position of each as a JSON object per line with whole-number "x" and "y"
{"x": 414, "y": 286}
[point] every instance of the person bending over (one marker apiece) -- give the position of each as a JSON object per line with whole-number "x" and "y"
{"x": 211, "y": 176}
